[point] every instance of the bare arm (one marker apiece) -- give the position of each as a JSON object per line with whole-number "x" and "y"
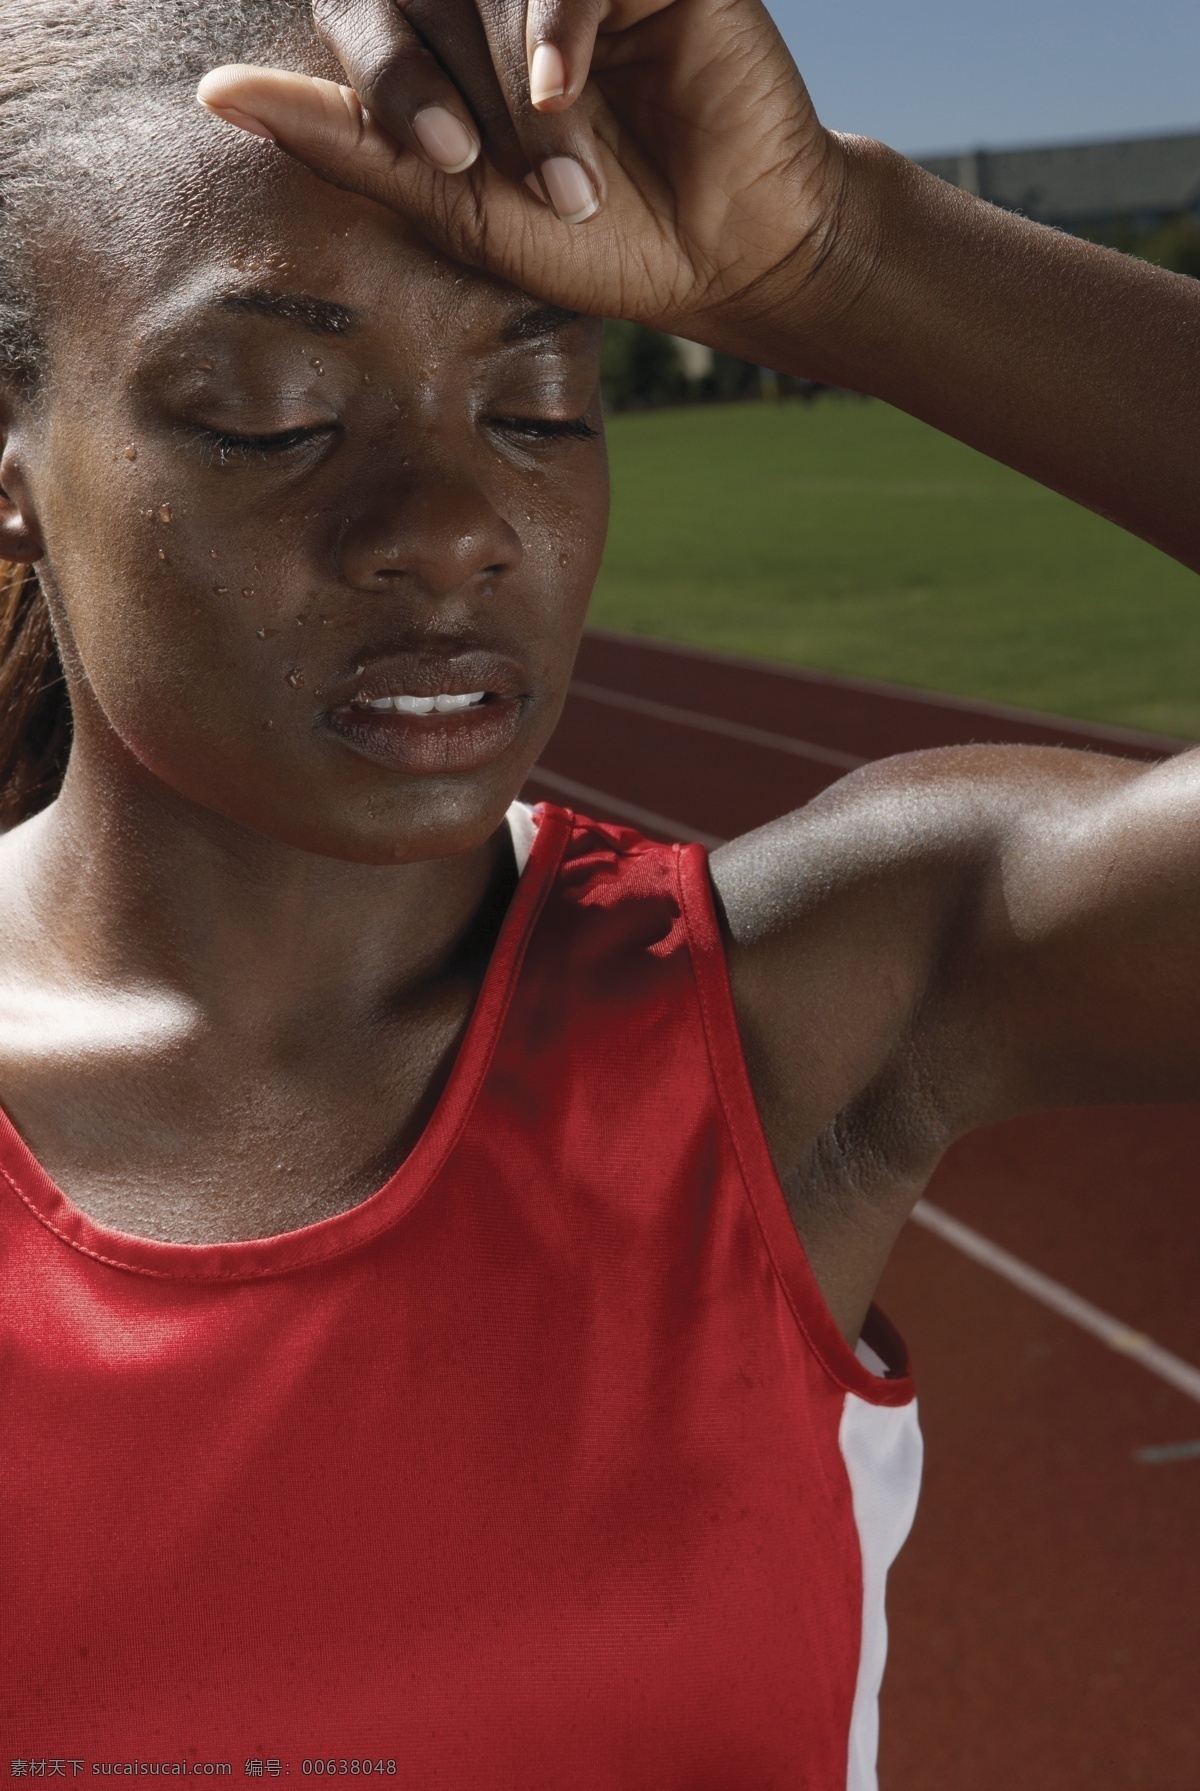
{"x": 1025, "y": 919}
{"x": 946, "y": 939}
{"x": 1076, "y": 365}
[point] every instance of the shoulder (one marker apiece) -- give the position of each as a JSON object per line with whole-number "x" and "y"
{"x": 906, "y": 837}
{"x": 862, "y": 929}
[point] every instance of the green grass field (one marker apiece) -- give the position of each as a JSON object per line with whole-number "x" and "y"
{"x": 847, "y": 536}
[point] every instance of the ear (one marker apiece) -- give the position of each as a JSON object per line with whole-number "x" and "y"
{"x": 20, "y": 532}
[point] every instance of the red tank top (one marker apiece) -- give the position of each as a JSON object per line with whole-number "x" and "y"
{"x": 543, "y": 1467}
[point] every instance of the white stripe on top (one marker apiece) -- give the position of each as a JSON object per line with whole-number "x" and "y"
{"x": 881, "y": 1447}
{"x": 522, "y": 825}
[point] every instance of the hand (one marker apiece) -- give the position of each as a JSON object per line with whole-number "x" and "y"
{"x": 667, "y": 166}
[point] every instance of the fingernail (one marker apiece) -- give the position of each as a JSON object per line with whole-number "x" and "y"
{"x": 445, "y": 139}
{"x": 547, "y": 74}
{"x": 535, "y": 187}
{"x": 242, "y": 120}
{"x": 571, "y": 192}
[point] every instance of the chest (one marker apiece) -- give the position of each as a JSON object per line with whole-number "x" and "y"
{"x": 222, "y": 1134}
{"x": 539, "y": 1501}
{"x": 531, "y": 1465}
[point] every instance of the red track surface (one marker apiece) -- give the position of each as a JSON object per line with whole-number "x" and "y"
{"x": 1046, "y": 1611}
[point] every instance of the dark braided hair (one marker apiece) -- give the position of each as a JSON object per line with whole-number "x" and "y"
{"x": 71, "y": 73}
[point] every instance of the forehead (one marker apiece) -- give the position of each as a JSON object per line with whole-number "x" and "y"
{"x": 506, "y": 315}
{"x": 225, "y": 226}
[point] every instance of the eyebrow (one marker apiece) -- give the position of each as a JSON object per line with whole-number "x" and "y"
{"x": 538, "y": 322}
{"x": 321, "y": 317}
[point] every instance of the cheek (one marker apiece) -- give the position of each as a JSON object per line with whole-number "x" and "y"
{"x": 174, "y": 621}
{"x": 572, "y": 519}
{"x": 203, "y": 632}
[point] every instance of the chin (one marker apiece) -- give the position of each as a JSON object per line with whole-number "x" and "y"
{"x": 437, "y": 817}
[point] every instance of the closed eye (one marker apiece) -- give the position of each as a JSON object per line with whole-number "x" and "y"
{"x": 224, "y": 449}
{"x": 545, "y": 429}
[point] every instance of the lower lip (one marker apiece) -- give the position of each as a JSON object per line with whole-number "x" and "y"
{"x": 424, "y": 745}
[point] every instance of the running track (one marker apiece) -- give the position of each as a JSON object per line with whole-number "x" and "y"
{"x": 1046, "y": 1611}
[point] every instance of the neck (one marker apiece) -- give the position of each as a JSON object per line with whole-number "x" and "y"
{"x": 123, "y": 885}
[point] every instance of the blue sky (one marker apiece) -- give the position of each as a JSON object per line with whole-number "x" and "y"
{"x": 955, "y": 74}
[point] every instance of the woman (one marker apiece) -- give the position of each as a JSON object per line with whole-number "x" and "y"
{"x": 438, "y": 1240}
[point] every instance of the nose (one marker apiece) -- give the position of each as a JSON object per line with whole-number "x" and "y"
{"x": 432, "y": 527}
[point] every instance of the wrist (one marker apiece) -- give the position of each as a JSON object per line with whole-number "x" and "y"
{"x": 807, "y": 313}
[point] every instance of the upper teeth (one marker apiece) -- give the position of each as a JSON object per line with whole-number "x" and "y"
{"x": 445, "y": 703}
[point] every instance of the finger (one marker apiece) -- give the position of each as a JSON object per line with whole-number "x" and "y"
{"x": 284, "y": 107}
{"x": 559, "y": 40}
{"x": 458, "y": 37}
{"x": 483, "y": 45}
{"x": 486, "y": 221}
{"x": 326, "y": 127}
{"x": 322, "y": 124}
{"x": 486, "y": 60}
{"x": 375, "y": 41}
{"x": 425, "y": 112}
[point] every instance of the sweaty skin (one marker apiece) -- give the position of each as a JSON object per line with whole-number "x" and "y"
{"x": 240, "y": 949}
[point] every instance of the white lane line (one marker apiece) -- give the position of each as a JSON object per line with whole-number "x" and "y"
{"x": 1122, "y": 1338}
{"x": 715, "y": 724}
{"x": 1060, "y": 1299}
{"x": 628, "y": 811}
{"x": 1160, "y": 1452}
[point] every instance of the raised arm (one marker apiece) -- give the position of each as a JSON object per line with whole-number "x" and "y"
{"x": 945, "y": 939}
{"x": 707, "y": 199}
{"x": 1023, "y": 920}
{"x": 1075, "y": 364}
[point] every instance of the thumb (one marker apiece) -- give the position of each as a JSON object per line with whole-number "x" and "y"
{"x": 322, "y": 124}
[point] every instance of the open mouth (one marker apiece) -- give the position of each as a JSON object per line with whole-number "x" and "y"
{"x": 421, "y": 715}
{"x": 446, "y": 702}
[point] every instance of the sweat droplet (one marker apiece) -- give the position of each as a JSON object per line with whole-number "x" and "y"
{"x": 318, "y": 365}
{"x": 247, "y": 590}
{"x": 266, "y": 634}
{"x": 295, "y": 677}
{"x": 268, "y": 724}
{"x": 164, "y": 512}
{"x": 221, "y": 590}
{"x": 131, "y": 452}
{"x": 162, "y": 553}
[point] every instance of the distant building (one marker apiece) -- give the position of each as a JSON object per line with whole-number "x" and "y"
{"x": 695, "y": 359}
{"x": 1087, "y": 188}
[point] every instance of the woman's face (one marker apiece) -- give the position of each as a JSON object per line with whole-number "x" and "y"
{"x": 296, "y": 477}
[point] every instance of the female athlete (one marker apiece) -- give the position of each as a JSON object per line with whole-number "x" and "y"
{"x": 437, "y": 1239}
